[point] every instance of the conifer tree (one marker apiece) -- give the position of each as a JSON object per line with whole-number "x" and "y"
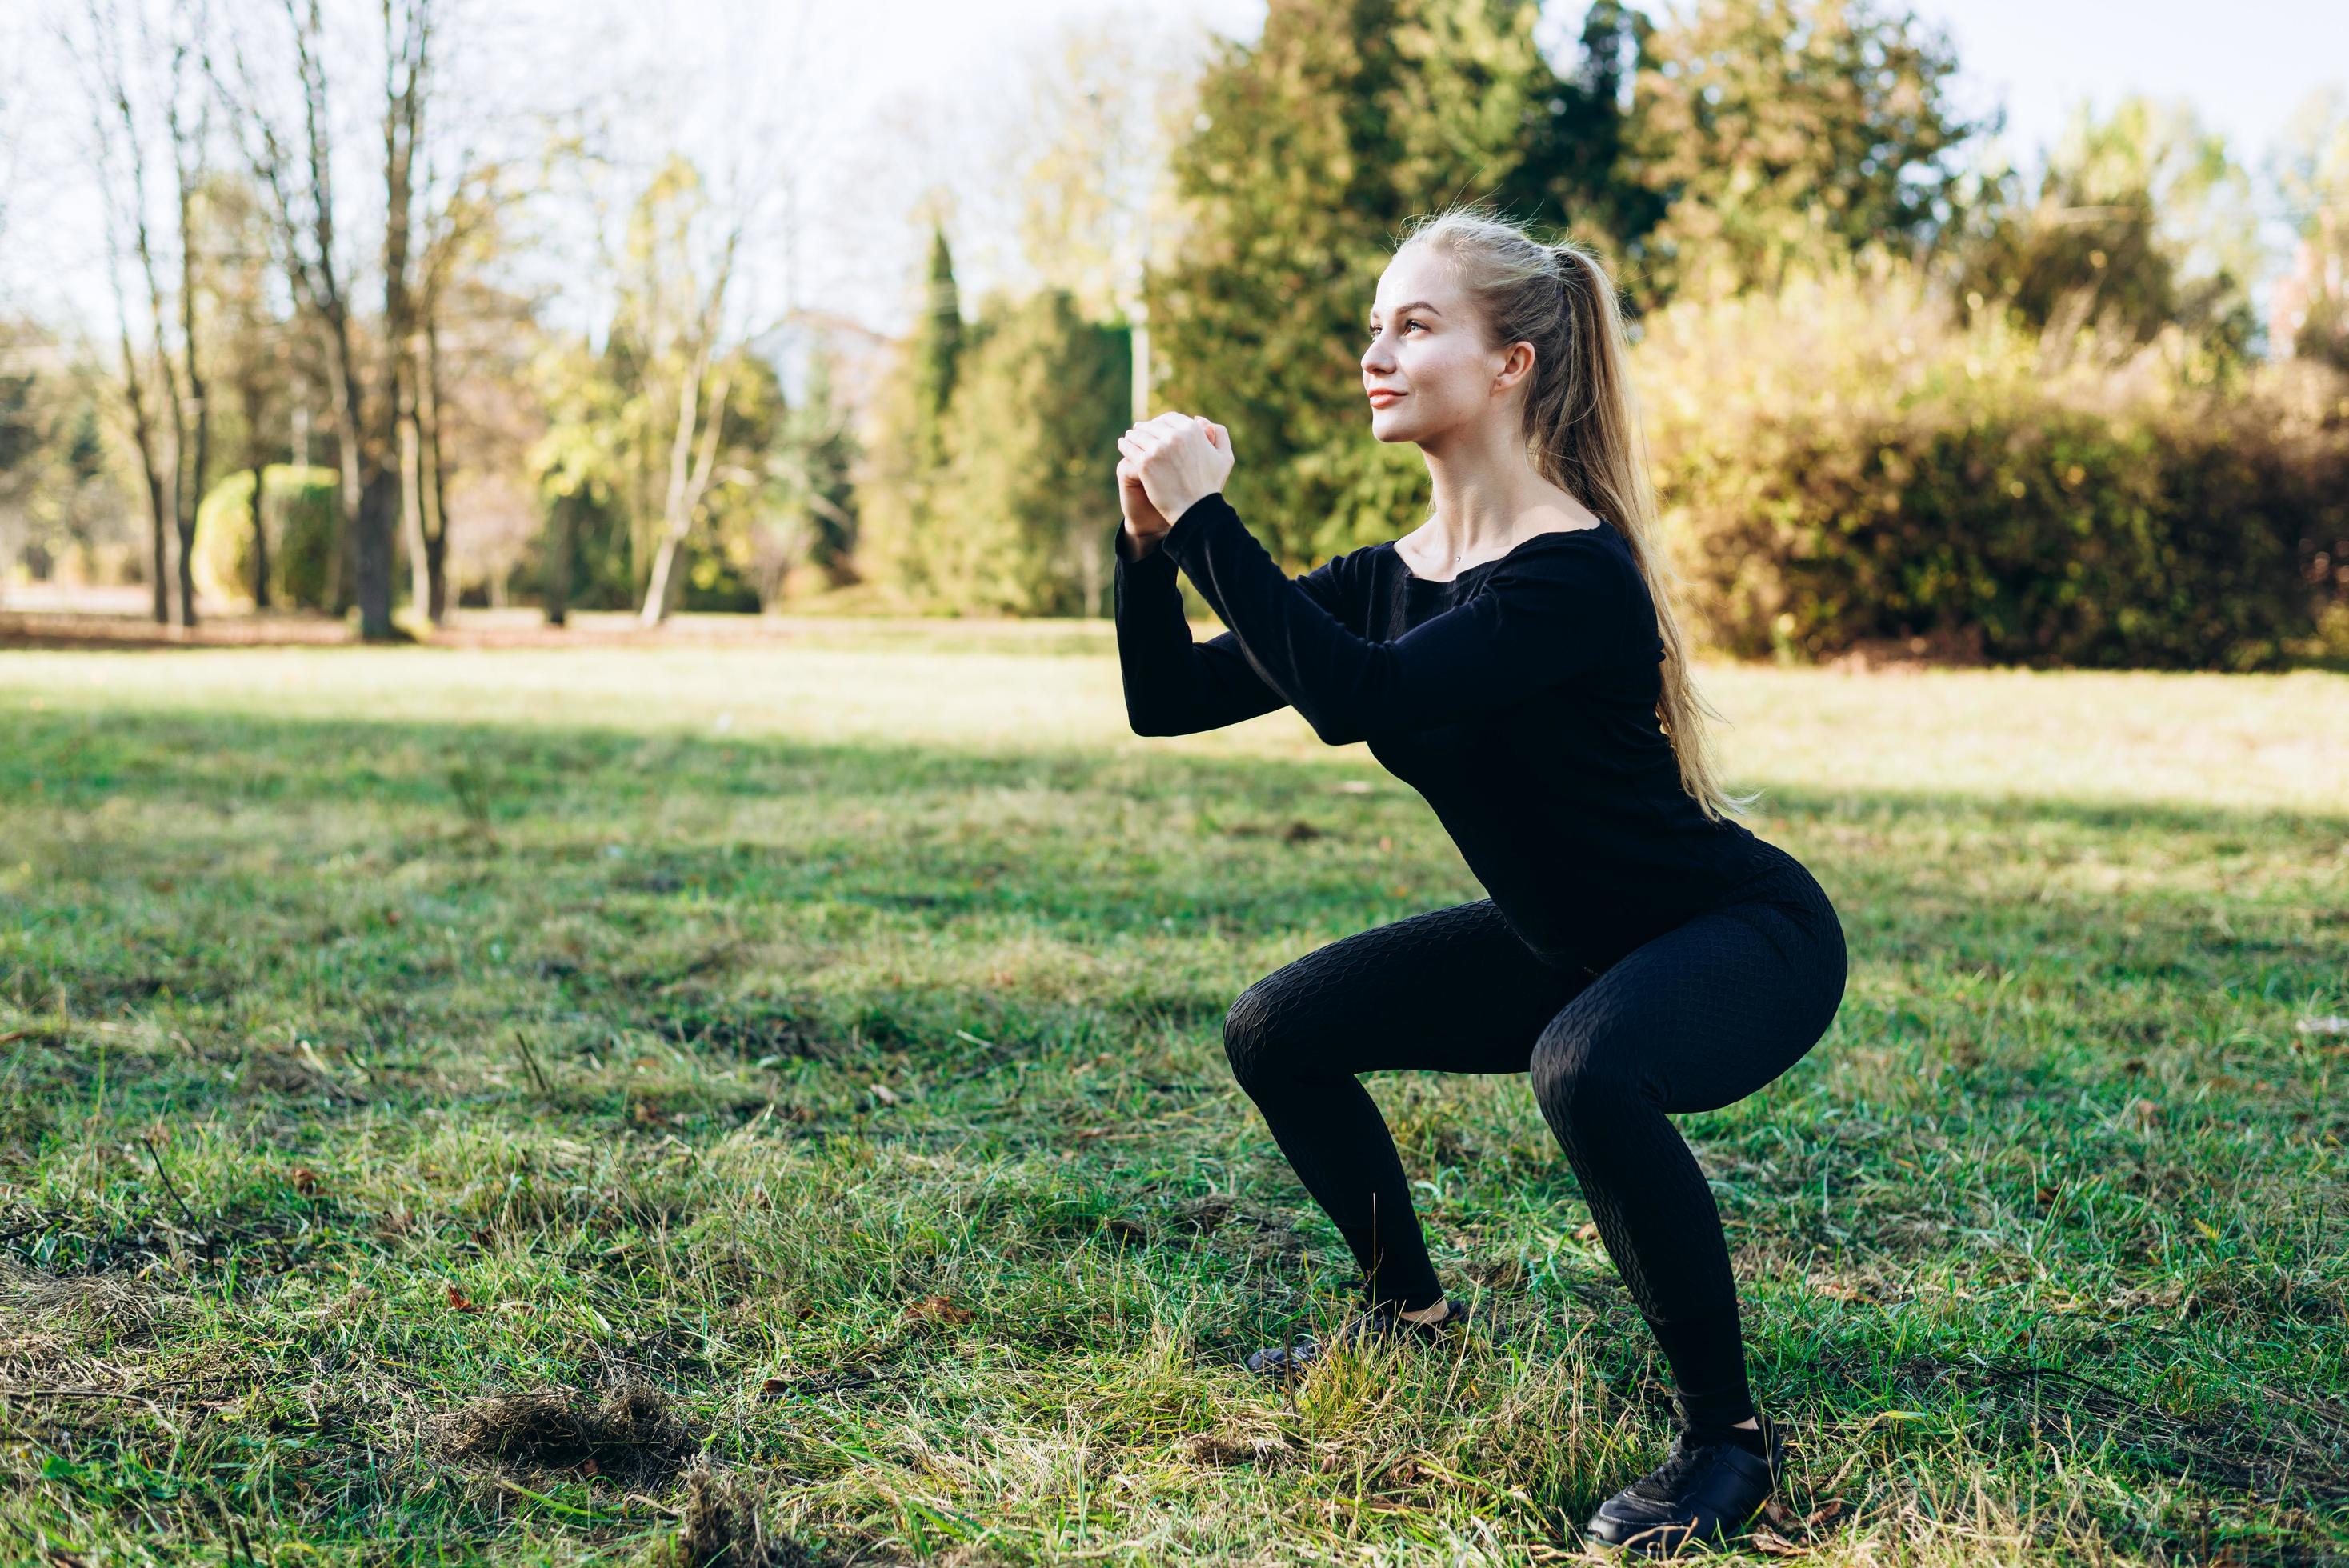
{"x": 1314, "y": 144}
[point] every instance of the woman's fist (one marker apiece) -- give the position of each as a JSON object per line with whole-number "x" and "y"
{"x": 1178, "y": 458}
{"x": 1143, "y": 520}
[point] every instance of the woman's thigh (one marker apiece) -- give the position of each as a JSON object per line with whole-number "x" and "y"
{"x": 1451, "y": 989}
{"x": 1708, "y": 1011}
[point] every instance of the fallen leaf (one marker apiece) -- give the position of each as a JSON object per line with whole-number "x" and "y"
{"x": 939, "y": 1308}
{"x": 305, "y": 1180}
{"x": 459, "y": 1302}
{"x": 1772, "y": 1544}
{"x": 1587, "y": 1231}
{"x": 884, "y": 1094}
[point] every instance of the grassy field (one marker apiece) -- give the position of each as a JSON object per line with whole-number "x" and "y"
{"x": 545, "y": 1108}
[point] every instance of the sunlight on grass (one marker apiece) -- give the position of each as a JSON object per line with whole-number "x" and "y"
{"x": 487, "y": 1105}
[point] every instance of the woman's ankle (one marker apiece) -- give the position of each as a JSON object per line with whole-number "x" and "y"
{"x": 1437, "y": 1313}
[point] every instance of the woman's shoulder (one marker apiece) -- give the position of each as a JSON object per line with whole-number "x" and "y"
{"x": 1583, "y": 572}
{"x": 1597, "y": 556}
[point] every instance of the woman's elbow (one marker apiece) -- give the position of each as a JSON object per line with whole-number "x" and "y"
{"x": 1336, "y": 730}
{"x": 1150, "y": 721}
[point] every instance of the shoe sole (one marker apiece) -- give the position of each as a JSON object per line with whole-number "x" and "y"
{"x": 1462, "y": 1324}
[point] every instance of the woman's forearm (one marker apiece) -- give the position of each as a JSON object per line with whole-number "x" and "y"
{"x": 1175, "y": 685}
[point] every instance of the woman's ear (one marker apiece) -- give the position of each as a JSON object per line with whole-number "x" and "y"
{"x": 1516, "y": 363}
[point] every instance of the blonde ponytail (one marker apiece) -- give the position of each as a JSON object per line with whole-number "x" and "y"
{"x": 1582, "y": 431}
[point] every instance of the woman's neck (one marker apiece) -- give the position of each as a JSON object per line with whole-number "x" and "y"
{"x": 1488, "y": 499}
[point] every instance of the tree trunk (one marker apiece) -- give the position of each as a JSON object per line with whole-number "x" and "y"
{"x": 560, "y": 526}
{"x": 189, "y": 466}
{"x": 260, "y": 543}
{"x": 411, "y": 514}
{"x": 688, "y": 482}
{"x": 378, "y": 502}
{"x": 435, "y": 474}
{"x": 159, "y": 501}
{"x": 341, "y": 581}
{"x": 403, "y": 115}
{"x": 158, "y": 507}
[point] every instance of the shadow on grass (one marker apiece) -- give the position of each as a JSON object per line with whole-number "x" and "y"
{"x": 197, "y": 872}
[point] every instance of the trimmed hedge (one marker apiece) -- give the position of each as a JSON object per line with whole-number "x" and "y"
{"x": 300, "y": 506}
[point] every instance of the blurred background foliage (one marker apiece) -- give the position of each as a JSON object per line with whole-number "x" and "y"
{"x": 1899, "y": 393}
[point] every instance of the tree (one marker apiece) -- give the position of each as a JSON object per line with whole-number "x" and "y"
{"x": 680, "y": 256}
{"x": 578, "y": 465}
{"x": 250, "y": 347}
{"x": 58, "y": 499}
{"x": 1032, "y": 440}
{"x": 462, "y": 320}
{"x": 1781, "y": 133}
{"x": 809, "y": 511}
{"x": 1314, "y": 144}
{"x": 297, "y": 169}
{"x": 2141, "y": 219}
{"x": 170, "y": 412}
{"x": 2309, "y": 167}
{"x": 900, "y": 482}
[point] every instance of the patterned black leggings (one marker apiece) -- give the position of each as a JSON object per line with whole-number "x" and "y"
{"x": 1695, "y": 1018}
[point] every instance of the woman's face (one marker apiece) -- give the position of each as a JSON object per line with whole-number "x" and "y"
{"x": 1427, "y": 349}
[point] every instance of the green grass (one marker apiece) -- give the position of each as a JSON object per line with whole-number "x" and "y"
{"x": 443, "y": 1093}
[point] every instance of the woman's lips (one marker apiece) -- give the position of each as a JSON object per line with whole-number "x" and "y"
{"x": 1379, "y": 399}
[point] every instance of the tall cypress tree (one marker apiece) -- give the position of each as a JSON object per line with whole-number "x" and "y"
{"x": 937, "y": 354}
{"x": 898, "y": 483}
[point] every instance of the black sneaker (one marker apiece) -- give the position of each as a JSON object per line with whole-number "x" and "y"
{"x": 1380, "y": 1325}
{"x": 1706, "y": 1488}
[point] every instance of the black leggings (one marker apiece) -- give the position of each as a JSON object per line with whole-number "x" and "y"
{"x": 1695, "y": 1018}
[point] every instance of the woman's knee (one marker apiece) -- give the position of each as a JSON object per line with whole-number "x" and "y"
{"x": 1251, "y": 1034}
{"x": 1582, "y": 1094}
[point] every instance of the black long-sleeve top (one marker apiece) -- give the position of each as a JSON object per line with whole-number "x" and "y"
{"x": 1519, "y": 698}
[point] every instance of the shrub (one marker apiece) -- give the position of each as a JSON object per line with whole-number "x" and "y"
{"x": 1844, "y": 463}
{"x": 301, "y": 507}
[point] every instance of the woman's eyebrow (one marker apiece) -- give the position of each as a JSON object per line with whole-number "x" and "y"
{"x": 1416, "y": 305}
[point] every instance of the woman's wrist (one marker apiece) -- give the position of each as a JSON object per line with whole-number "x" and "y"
{"x": 1134, "y": 543}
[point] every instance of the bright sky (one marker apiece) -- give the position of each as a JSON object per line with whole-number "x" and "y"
{"x": 907, "y": 82}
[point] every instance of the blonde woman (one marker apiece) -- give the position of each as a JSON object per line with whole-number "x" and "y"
{"x": 1516, "y": 659}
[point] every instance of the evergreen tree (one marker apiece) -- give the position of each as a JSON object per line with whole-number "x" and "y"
{"x": 902, "y": 470}
{"x": 937, "y": 354}
{"x": 1030, "y": 488}
{"x": 1316, "y": 143}
{"x": 822, "y": 446}
{"x": 1783, "y": 133}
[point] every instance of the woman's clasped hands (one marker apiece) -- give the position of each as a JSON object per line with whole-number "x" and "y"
{"x": 1169, "y": 463}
